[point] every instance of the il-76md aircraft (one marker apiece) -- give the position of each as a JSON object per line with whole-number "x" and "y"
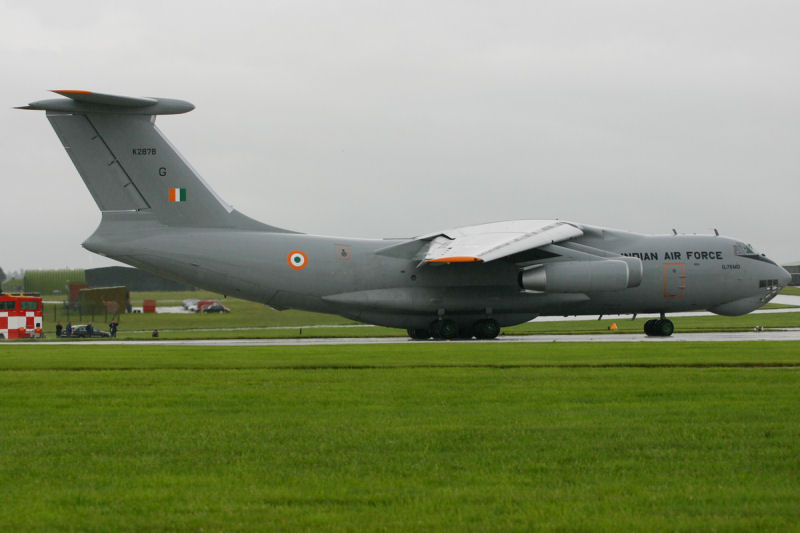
{"x": 159, "y": 215}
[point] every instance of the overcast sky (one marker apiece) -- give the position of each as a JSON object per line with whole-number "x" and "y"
{"x": 389, "y": 119}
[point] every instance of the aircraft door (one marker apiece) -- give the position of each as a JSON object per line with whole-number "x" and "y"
{"x": 674, "y": 280}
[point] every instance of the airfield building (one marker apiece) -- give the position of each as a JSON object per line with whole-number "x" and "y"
{"x": 794, "y": 270}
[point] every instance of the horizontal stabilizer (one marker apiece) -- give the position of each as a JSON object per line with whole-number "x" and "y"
{"x": 107, "y": 99}
{"x": 90, "y": 102}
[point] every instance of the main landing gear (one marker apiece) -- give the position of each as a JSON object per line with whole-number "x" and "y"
{"x": 661, "y": 327}
{"x": 448, "y": 329}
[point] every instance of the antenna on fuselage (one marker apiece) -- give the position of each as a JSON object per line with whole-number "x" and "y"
{"x": 716, "y": 232}
{"x": 674, "y": 232}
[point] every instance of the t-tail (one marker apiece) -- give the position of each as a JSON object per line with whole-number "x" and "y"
{"x": 130, "y": 167}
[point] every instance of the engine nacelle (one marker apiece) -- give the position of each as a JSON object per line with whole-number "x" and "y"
{"x": 581, "y": 276}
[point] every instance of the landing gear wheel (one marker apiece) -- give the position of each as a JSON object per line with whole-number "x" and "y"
{"x": 659, "y": 328}
{"x": 444, "y": 329}
{"x": 486, "y": 329}
{"x": 419, "y": 334}
{"x": 665, "y": 327}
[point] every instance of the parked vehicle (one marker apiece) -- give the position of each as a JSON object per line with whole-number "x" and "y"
{"x": 202, "y": 304}
{"x": 81, "y": 331}
{"x": 216, "y": 307}
{"x": 20, "y": 316}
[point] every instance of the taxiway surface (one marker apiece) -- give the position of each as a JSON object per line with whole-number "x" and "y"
{"x": 742, "y": 336}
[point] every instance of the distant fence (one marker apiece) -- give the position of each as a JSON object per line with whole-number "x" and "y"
{"x": 50, "y": 281}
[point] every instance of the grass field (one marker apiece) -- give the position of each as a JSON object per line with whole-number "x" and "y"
{"x": 424, "y": 436}
{"x": 791, "y": 291}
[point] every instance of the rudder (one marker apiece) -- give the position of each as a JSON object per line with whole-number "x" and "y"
{"x": 107, "y": 181}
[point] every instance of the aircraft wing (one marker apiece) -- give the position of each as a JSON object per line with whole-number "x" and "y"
{"x": 487, "y": 242}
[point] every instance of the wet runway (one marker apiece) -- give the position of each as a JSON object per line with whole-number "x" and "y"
{"x": 745, "y": 336}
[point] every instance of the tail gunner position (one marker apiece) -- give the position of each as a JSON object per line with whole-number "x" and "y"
{"x": 159, "y": 215}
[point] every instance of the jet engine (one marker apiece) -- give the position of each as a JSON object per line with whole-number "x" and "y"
{"x": 583, "y": 276}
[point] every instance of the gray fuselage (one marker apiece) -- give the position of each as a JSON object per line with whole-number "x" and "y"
{"x": 347, "y": 277}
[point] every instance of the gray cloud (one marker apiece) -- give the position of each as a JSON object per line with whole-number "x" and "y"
{"x": 371, "y": 119}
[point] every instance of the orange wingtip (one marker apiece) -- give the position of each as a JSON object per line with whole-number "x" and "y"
{"x": 457, "y": 259}
{"x": 68, "y": 91}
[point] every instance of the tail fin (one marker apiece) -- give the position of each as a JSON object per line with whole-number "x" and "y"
{"x": 128, "y": 164}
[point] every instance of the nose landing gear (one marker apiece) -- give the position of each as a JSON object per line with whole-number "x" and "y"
{"x": 661, "y": 327}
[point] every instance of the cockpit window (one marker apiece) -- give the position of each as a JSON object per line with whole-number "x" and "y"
{"x": 744, "y": 249}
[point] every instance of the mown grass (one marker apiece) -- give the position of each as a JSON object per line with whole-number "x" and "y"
{"x": 791, "y": 291}
{"x": 30, "y": 356}
{"x": 450, "y": 437}
{"x": 777, "y": 306}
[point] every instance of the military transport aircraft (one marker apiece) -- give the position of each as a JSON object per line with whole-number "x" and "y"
{"x": 159, "y": 215}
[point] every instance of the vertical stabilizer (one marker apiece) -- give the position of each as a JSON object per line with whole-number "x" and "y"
{"x": 129, "y": 165}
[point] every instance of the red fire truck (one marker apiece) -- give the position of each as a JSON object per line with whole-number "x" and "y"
{"x": 20, "y": 316}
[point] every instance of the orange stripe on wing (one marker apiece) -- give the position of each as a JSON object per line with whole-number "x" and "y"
{"x": 68, "y": 91}
{"x": 457, "y": 259}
